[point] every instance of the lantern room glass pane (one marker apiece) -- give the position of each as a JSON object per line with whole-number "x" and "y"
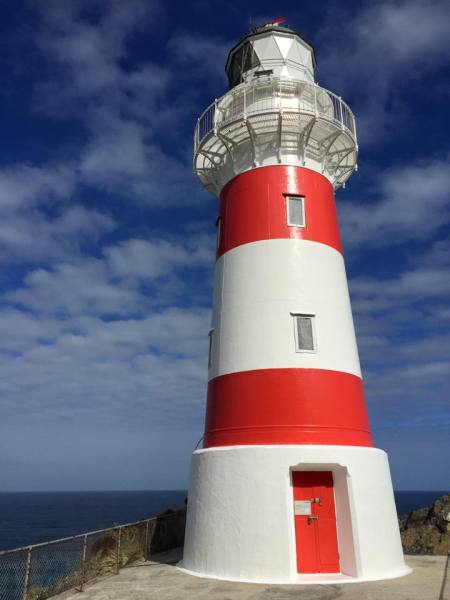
{"x": 242, "y": 61}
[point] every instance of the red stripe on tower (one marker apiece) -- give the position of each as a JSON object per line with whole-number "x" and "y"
{"x": 253, "y": 208}
{"x": 286, "y": 406}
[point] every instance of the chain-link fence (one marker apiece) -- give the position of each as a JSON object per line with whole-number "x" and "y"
{"x": 43, "y": 570}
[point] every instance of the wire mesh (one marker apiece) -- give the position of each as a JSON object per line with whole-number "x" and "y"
{"x": 167, "y": 532}
{"x": 55, "y": 568}
{"x": 43, "y": 570}
{"x": 101, "y": 554}
{"x": 12, "y": 575}
{"x": 132, "y": 544}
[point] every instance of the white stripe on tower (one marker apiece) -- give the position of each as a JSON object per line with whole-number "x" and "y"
{"x": 259, "y": 287}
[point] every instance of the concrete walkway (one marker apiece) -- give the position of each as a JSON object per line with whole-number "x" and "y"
{"x": 160, "y": 580}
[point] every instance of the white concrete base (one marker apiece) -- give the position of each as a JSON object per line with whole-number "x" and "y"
{"x": 303, "y": 579}
{"x": 240, "y": 521}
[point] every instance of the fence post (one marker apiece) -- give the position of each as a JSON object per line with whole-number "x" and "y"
{"x": 147, "y": 524}
{"x": 26, "y": 580}
{"x": 119, "y": 535}
{"x": 83, "y": 563}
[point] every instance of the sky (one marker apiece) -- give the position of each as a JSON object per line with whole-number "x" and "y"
{"x": 107, "y": 240}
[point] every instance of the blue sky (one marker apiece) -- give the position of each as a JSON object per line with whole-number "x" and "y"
{"x": 106, "y": 239}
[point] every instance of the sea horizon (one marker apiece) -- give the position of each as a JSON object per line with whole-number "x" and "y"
{"x": 30, "y": 517}
{"x": 154, "y": 490}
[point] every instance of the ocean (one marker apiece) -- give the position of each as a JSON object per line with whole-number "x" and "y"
{"x": 30, "y": 518}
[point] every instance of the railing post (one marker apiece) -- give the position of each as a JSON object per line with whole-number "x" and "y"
{"x": 119, "y": 536}
{"x": 83, "y": 563}
{"x": 215, "y": 116}
{"x": 26, "y": 579}
{"x": 315, "y": 101}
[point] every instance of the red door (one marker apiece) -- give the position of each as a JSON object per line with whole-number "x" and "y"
{"x": 315, "y": 522}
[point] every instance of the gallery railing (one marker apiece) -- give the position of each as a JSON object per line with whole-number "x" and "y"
{"x": 43, "y": 570}
{"x": 270, "y": 94}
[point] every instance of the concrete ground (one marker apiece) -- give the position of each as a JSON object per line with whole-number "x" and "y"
{"x": 160, "y": 580}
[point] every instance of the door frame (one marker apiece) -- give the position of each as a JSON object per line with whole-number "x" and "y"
{"x": 344, "y": 521}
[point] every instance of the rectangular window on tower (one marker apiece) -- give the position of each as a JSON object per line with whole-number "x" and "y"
{"x": 304, "y": 331}
{"x": 295, "y": 211}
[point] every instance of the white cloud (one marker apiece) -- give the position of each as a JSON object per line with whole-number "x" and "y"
{"x": 155, "y": 258}
{"x": 205, "y": 56}
{"x": 83, "y": 223}
{"x": 31, "y": 236}
{"x": 78, "y": 288}
{"x": 20, "y": 330}
{"x": 122, "y": 111}
{"x": 403, "y": 31}
{"x": 24, "y": 185}
{"x": 422, "y": 279}
{"x": 377, "y": 50}
{"x": 86, "y": 53}
{"x": 404, "y": 341}
{"x": 113, "y": 285}
{"x": 120, "y": 160}
{"x": 109, "y": 372}
{"x": 411, "y": 203}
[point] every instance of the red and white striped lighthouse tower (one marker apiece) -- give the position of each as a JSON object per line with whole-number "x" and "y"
{"x": 288, "y": 486}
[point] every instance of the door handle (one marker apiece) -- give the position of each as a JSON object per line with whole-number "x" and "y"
{"x": 312, "y": 518}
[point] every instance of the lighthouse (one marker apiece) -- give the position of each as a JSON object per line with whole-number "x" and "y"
{"x": 287, "y": 487}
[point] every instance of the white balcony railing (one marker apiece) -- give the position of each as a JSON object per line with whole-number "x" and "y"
{"x": 270, "y": 121}
{"x": 269, "y": 95}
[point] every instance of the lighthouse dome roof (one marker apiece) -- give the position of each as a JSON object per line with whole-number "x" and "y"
{"x": 270, "y": 49}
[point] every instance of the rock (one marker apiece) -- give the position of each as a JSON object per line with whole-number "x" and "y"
{"x": 427, "y": 530}
{"x": 442, "y": 513}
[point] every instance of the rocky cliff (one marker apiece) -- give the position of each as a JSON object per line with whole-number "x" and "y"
{"x": 427, "y": 530}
